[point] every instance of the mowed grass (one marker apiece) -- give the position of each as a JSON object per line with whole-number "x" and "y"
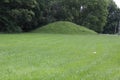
{"x": 35, "y": 56}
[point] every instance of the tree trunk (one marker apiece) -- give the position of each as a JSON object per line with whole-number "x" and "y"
{"x": 119, "y": 28}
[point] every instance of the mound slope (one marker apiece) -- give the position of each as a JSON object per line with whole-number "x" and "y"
{"x": 64, "y": 27}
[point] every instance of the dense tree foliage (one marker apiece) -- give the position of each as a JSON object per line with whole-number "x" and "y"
{"x": 94, "y": 14}
{"x": 16, "y": 15}
{"x": 113, "y": 19}
{"x": 25, "y": 15}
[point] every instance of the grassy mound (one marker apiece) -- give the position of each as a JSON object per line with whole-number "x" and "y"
{"x": 64, "y": 27}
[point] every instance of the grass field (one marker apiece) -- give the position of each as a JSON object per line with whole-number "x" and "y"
{"x": 35, "y": 56}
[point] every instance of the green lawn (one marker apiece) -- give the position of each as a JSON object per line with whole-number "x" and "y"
{"x": 35, "y": 56}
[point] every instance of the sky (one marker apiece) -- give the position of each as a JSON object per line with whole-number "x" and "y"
{"x": 117, "y": 2}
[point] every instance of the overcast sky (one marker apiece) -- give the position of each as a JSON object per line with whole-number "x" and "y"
{"x": 117, "y": 2}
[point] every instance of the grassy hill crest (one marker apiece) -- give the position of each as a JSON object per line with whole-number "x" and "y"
{"x": 64, "y": 27}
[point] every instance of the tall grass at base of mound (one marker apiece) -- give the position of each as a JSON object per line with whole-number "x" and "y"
{"x": 64, "y": 27}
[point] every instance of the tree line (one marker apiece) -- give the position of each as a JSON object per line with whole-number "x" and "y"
{"x": 101, "y": 16}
